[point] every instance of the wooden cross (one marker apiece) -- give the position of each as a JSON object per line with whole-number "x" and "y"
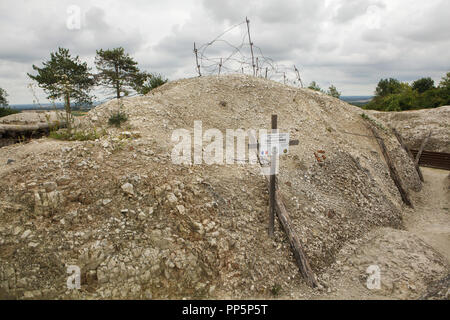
{"x": 273, "y": 176}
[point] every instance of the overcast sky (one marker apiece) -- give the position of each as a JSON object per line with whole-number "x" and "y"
{"x": 351, "y": 43}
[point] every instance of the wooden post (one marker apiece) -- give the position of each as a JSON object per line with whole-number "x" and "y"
{"x": 284, "y": 77}
{"x": 392, "y": 170}
{"x": 298, "y": 76}
{"x": 251, "y": 44}
{"x": 266, "y": 73}
{"x": 220, "y": 65}
{"x": 422, "y": 146}
{"x": 277, "y": 203}
{"x": 196, "y": 61}
{"x": 257, "y": 66}
{"x": 273, "y": 164}
{"x": 408, "y": 151}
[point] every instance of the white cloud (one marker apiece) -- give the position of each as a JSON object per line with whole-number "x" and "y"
{"x": 351, "y": 44}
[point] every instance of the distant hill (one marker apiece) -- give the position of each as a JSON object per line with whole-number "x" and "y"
{"x": 357, "y": 100}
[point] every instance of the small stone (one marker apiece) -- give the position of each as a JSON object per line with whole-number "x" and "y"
{"x": 181, "y": 209}
{"x": 17, "y": 230}
{"x": 106, "y": 201}
{"x": 50, "y": 186}
{"x": 148, "y": 294}
{"x": 33, "y": 244}
{"x": 26, "y": 234}
{"x": 63, "y": 180}
{"x": 172, "y": 198}
{"x": 9, "y": 161}
{"x": 128, "y": 188}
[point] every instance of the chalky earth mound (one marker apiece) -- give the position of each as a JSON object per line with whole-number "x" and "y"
{"x": 141, "y": 227}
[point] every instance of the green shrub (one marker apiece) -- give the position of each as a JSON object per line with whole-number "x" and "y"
{"x": 84, "y": 135}
{"x": 117, "y": 119}
{"x": 275, "y": 290}
{"x": 6, "y": 111}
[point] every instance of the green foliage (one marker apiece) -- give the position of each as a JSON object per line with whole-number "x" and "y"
{"x": 314, "y": 86}
{"x": 118, "y": 71}
{"x": 6, "y": 111}
{"x": 70, "y": 135}
{"x": 65, "y": 77}
{"x": 153, "y": 81}
{"x": 275, "y": 290}
{"x": 374, "y": 122}
{"x": 388, "y": 86}
{"x": 422, "y": 94}
{"x": 423, "y": 85}
{"x": 332, "y": 91}
{"x": 444, "y": 89}
{"x": 117, "y": 119}
{"x": 3, "y": 100}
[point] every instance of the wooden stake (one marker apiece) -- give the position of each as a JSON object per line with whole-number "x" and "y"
{"x": 392, "y": 170}
{"x": 279, "y": 208}
{"x": 220, "y": 65}
{"x": 273, "y": 164}
{"x": 298, "y": 76}
{"x": 251, "y": 44}
{"x": 266, "y": 73}
{"x": 257, "y": 66}
{"x": 408, "y": 151}
{"x": 196, "y": 61}
{"x": 422, "y": 146}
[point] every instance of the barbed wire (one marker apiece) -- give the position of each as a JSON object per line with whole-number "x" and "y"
{"x": 234, "y": 58}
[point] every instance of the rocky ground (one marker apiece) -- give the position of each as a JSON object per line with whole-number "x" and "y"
{"x": 415, "y": 125}
{"x": 140, "y": 226}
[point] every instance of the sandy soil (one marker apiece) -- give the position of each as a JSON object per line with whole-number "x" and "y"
{"x": 425, "y": 240}
{"x": 430, "y": 220}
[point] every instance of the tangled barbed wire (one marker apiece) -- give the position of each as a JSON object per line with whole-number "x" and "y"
{"x": 221, "y": 56}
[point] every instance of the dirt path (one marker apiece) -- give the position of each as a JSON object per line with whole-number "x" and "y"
{"x": 413, "y": 263}
{"x": 430, "y": 220}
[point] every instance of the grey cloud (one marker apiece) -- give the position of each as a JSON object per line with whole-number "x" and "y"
{"x": 332, "y": 41}
{"x": 351, "y": 9}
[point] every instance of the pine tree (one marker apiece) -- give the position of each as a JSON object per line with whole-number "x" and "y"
{"x": 118, "y": 71}
{"x": 65, "y": 77}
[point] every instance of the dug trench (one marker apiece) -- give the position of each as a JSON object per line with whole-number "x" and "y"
{"x": 142, "y": 227}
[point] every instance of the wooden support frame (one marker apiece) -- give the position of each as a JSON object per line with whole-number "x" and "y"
{"x": 392, "y": 170}
{"x": 277, "y": 207}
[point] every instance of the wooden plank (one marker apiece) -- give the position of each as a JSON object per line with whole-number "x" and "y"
{"x": 422, "y": 146}
{"x": 273, "y": 164}
{"x": 392, "y": 170}
{"x": 294, "y": 241}
{"x": 408, "y": 151}
{"x": 438, "y": 160}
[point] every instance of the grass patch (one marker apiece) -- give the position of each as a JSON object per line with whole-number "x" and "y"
{"x": 117, "y": 119}
{"x": 375, "y": 123}
{"x": 84, "y": 135}
{"x": 276, "y": 289}
{"x": 79, "y": 113}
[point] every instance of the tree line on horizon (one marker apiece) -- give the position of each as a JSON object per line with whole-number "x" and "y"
{"x": 393, "y": 95}
{"x": 67, "y": 78}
